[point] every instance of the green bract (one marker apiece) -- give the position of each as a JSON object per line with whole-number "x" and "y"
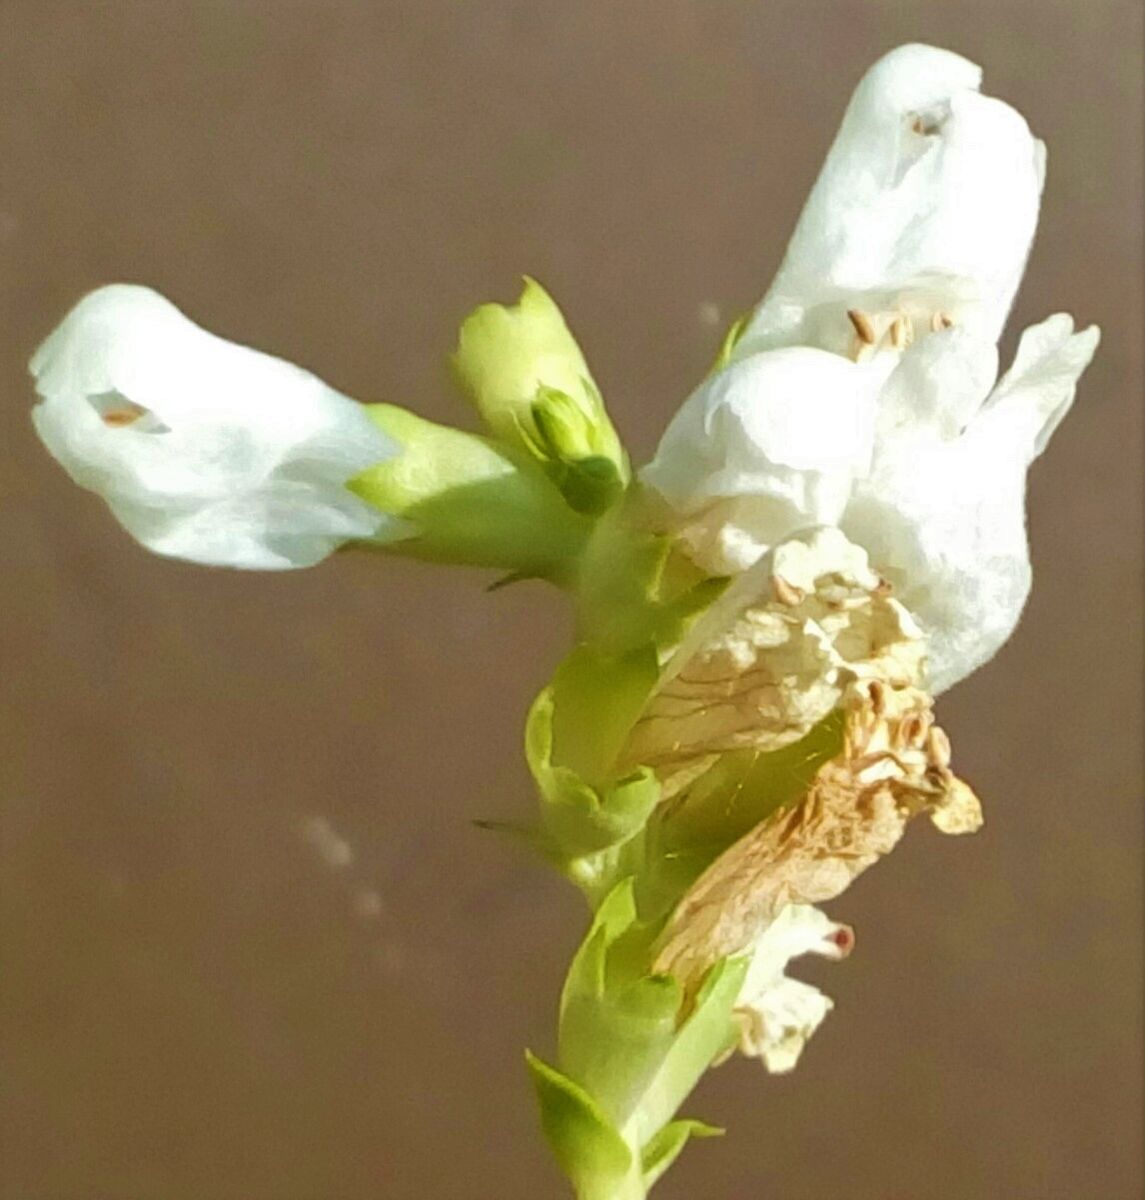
{"x": 579, "y": 819}
{"x": 632, "y": 1047}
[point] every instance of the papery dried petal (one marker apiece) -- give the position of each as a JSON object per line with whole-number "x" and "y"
{"x": 773, "y": 657}
{"x": 894, "y": 764}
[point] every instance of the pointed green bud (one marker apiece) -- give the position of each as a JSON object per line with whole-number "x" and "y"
{"x": 563, "y": 426}
{"x": 506, "y": 352}
{"x": 524, "y": 371}
{"x": 576, "y": 452}
{"x": 467, "y": 499}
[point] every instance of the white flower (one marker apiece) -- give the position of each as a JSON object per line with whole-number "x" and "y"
{"x": 901, "y": 272}
{"x": 203, "y": 449}
{"x": 777, "y": 1015}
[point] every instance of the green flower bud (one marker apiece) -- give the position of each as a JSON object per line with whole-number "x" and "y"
{"x": 524, "y": 371}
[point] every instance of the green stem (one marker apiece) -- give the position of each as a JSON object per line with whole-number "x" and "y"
{"x": 631, "y": 1187}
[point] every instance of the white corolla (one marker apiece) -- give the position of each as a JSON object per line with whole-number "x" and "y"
{"x": 203, "y": 449}
{"x": 861, "y": 392}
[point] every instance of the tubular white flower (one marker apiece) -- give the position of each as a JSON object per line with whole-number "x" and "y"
{"x": 203, "y": 449}
{"x": 905, "y": 260}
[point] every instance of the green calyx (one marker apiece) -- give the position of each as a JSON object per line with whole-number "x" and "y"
{"x": 467, "y": 499}
{"x": 529, "y": 381}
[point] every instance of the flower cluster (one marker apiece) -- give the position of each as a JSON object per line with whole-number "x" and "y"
{"x": 831, "y": 532}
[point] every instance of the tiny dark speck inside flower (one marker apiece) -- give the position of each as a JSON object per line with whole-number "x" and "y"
{"x": 118, "y": 412}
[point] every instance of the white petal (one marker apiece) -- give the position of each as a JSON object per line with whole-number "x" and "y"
{"x": 936, "y": 389}
{"x": 767, "y": 446}
{"x": 946, "y": 522}
{"x": 1037, "y": 391}
{"x": 938, "y": 219}
{"x": 204, "y": 449}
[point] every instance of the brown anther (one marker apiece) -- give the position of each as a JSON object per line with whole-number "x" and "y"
{"x": 785, "y": 593}
{"x": 119, "y": 417}
{"x": 940, "y": 320}
{"x": 902, "y": 332}
{"x": 912, "y": 730}
{"x": 878, "y": 693}
{"x": 938, "y": 746}
{"x": 862, "y": 325}
{"x": 883, "y": 588}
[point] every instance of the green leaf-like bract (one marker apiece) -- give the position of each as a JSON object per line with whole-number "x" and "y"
{"x": 662, "y": 1151}
{"x": 628, "y": 1039}
{"x": 588, "y": 1147}
{"x": 528, "y": 378}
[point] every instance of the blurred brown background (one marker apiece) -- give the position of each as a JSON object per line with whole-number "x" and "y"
{"x": 200, "y": 997}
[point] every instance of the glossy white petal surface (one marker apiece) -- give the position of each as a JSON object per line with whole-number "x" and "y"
{"x": 767, "y": 446}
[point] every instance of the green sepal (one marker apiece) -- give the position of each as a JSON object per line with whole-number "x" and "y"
{"x": 597, "y": 696}
{"x": 628, "y": 1037}
{"x": 587, "y": 972}
{"x": 506, "y": 352}
{"x": 731, "y": 340}
{"x": 615, "y": 1025}
{"x": 590, "y": 485}
{"x": 588, "y": 1147}
{"x": 635, "y": 587}
{"x": 468, "y": 500}
{"x": 706, "y": 1033}
{"x": 664, "y": 1148}
{"x": 578, "y": 819}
